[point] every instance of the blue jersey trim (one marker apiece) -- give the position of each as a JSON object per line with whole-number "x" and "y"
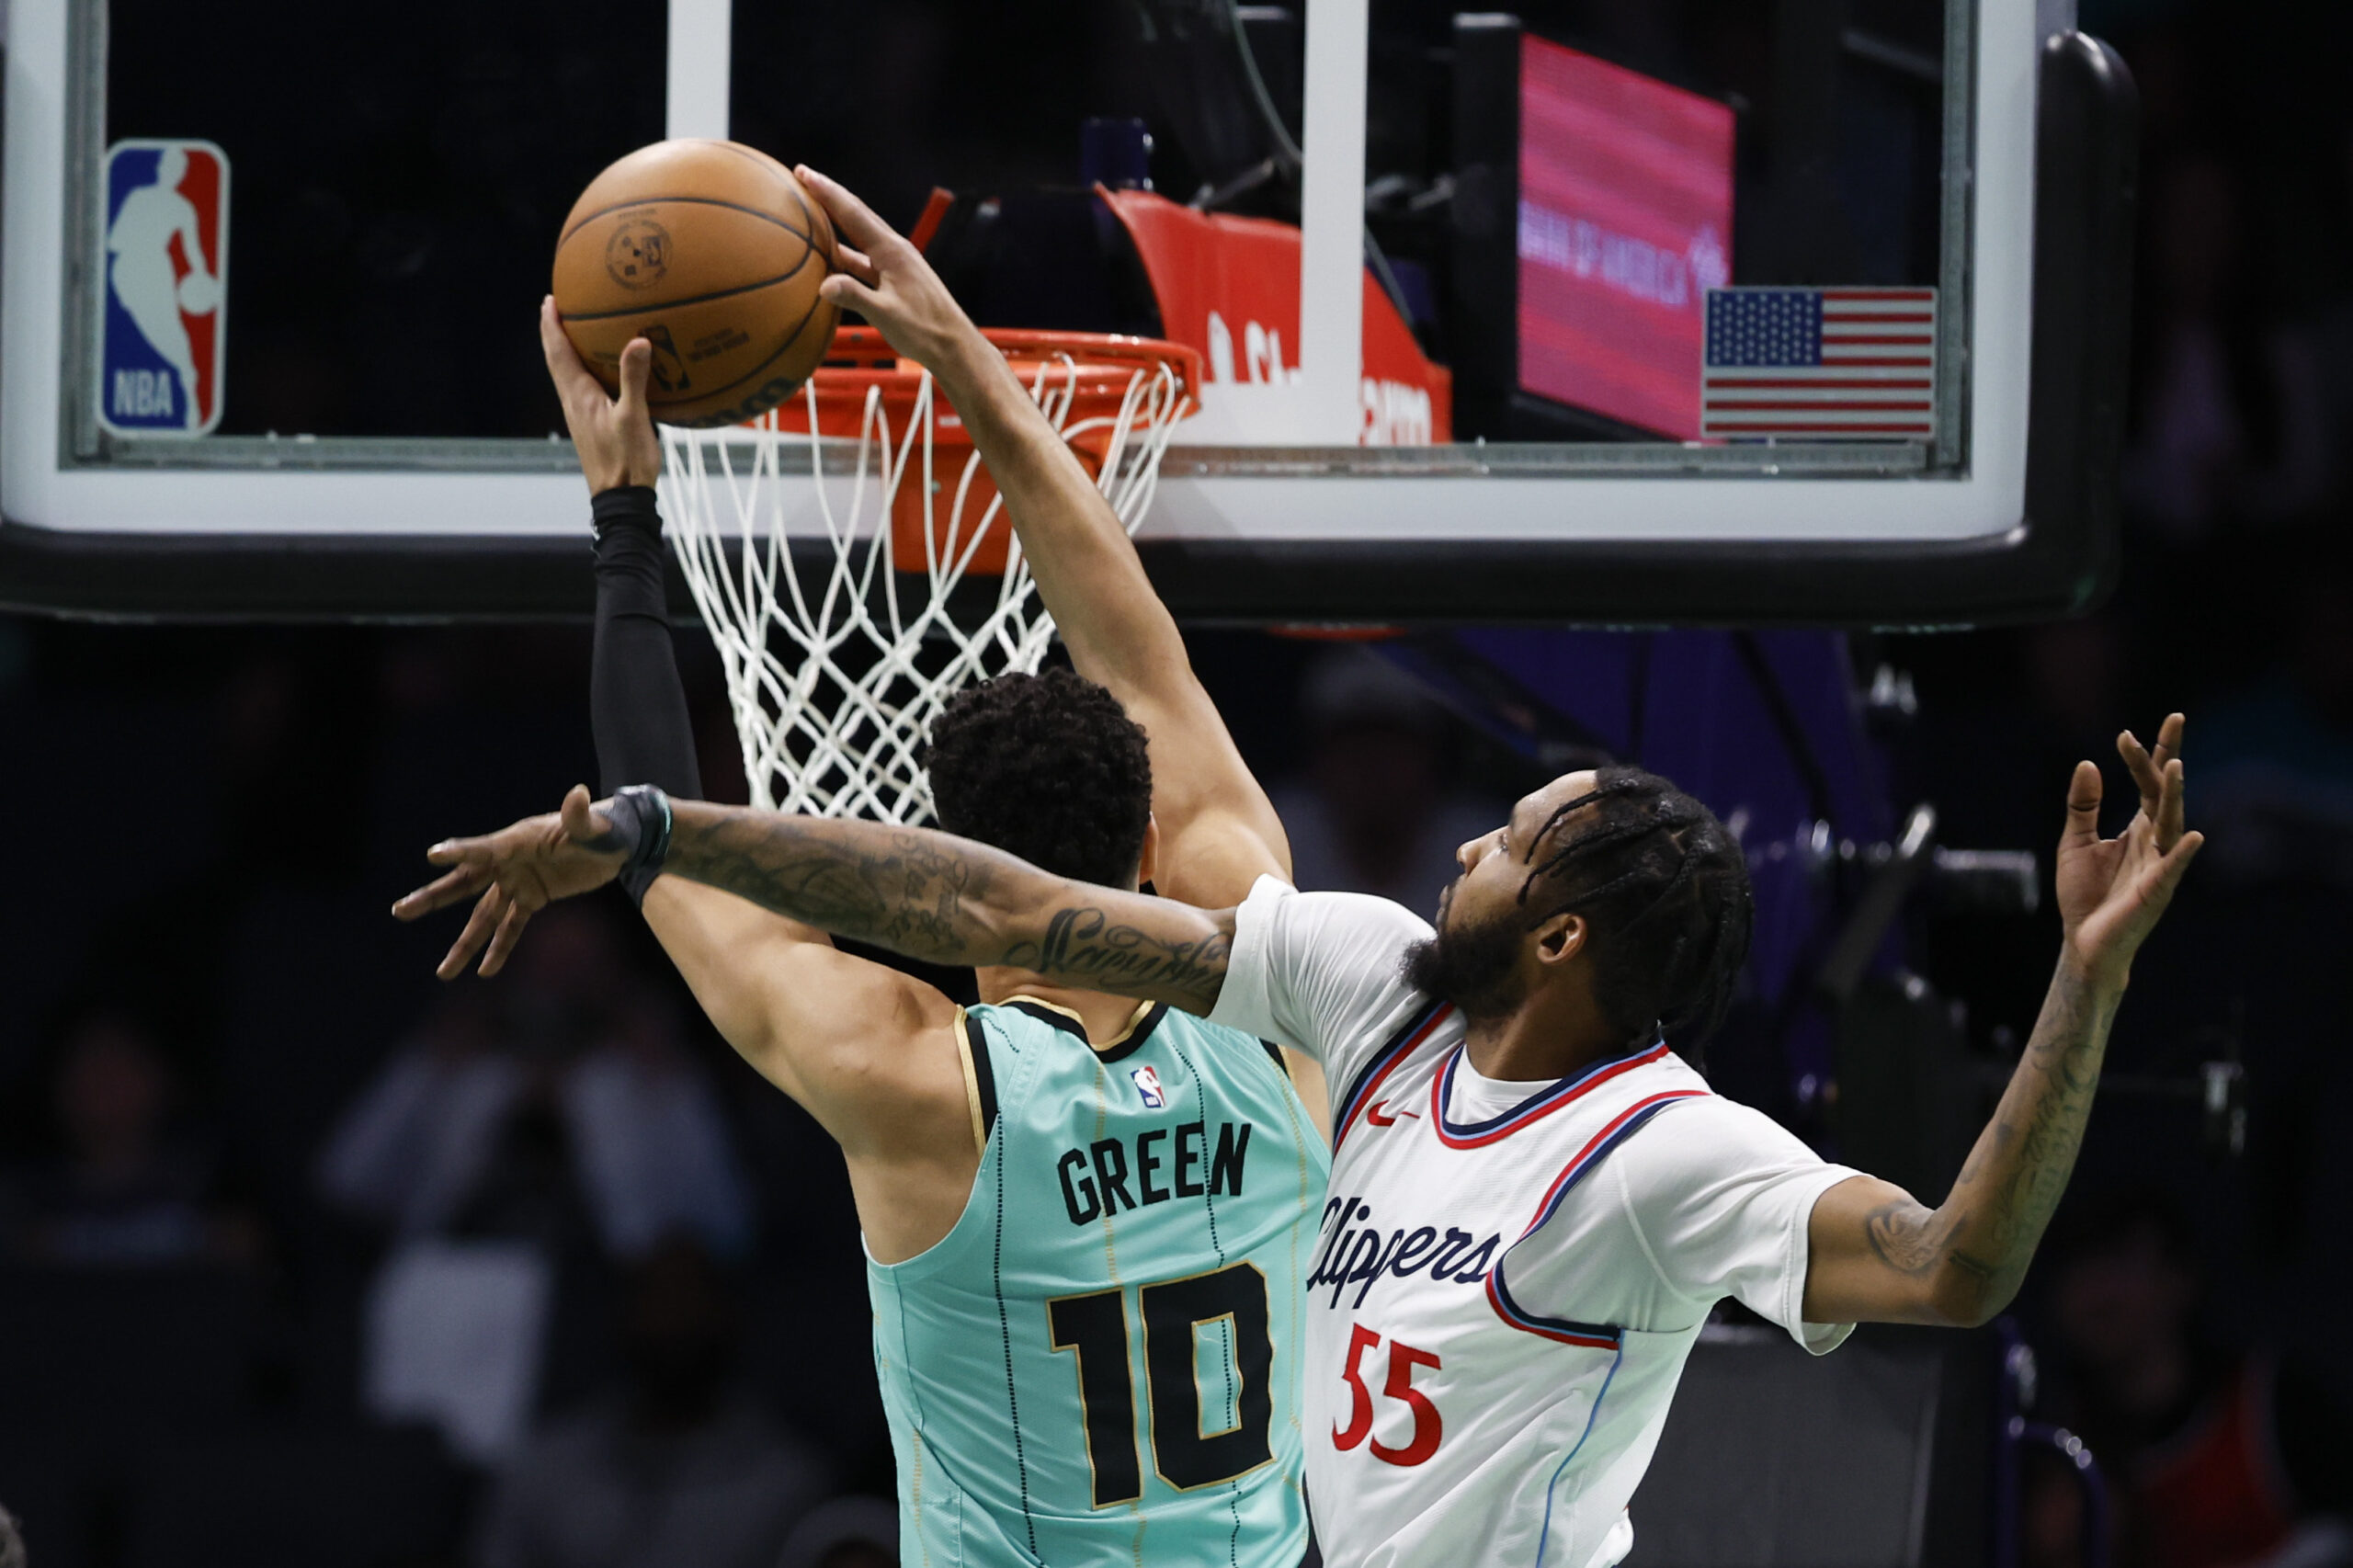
{"x": 1567, "y": 1331}
{"x": 1539, "y": 1105}
{"x": 1544, "y": 1535}
{"x": 1402, "y": 1044}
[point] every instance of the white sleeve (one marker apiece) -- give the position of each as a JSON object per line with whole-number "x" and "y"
{"x": 1319, "y": 972}
{"x": 1720, "y": 1196}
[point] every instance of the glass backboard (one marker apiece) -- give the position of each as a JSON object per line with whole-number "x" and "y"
{"x": 1686, "y": 312}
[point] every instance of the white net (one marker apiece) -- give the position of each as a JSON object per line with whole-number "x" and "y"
{"x": 837, "y": 665}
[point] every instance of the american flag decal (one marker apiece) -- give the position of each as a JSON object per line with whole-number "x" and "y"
{"x": 1857, "y": 364}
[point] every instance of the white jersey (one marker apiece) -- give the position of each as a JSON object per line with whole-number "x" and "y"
{"x": 1510, "y": 1276}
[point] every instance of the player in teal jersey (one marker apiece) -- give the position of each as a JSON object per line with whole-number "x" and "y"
{"x": 1085, "y": 1223}
{"x": 1127, "y": 1270}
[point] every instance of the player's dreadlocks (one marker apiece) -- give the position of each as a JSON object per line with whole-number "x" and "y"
{"x": 1666, "y": 890}
{"x": 1047, "y": 766}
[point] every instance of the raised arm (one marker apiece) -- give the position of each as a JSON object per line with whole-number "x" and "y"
{"x": 918, "y": 893}
{"x": 860, "y": 1045}
{"x": 1875, "y": 1254}
{"x": 1218, "y": 832}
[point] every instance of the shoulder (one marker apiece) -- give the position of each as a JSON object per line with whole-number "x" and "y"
{"x": 1223, "y": 1044}
{"x": 1354, "y": 920}
{"x": 1706, "y": 1144}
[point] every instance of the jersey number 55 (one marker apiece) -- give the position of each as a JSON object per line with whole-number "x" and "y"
{"x": 1403, "y": 1358}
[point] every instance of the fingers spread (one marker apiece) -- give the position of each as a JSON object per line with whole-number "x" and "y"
{"x": 2083, "y": 805}
{"x": 857, "y": 264}
{"x": 2168, "y": 815}
{"x": 2169, "y": 738}
{"x": 2146, "y": 774}
{"x": 2165, "y": 875}
{"x": 502, "y": 941}
{"x": 851, "y": 217}
{"x": 847, "y": 293}
{"x": 570, "y": 377}
{"x": 479, "y": 927}
{"x": 458, "y": 851}
{"x": 441, "y": 893}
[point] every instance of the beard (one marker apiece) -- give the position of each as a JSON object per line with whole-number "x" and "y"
{"x": 1473, "y": 964}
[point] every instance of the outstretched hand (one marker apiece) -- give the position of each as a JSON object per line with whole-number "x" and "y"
{"x": 614, "y": 436}
{"x": 517, "y": 871}
{"x": 878, "y": 274}
{"x": 2111, "y": 891}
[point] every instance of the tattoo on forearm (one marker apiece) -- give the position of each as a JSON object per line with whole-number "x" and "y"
{"x": 1988, "y": 1229}
{"x": 1084, "y": 944}
{"x": 927, "y": 895}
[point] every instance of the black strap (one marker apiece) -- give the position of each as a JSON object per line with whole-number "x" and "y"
{"x": 976, "y": 1042}
{"x": 1129, "y": 1044}
{"x": 640, "y": 816}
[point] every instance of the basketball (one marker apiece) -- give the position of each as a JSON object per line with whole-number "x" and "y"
{"x": 713, "y": 253}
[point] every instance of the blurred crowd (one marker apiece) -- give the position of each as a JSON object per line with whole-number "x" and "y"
{"x": 2189, "y": 1308}
{"x": 307, "y": 1258}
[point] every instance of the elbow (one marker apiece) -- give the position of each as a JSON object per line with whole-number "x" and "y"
{"x": 1963, "y": 1295}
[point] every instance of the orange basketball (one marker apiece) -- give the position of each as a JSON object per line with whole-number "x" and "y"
{"x": 713, "y": 253}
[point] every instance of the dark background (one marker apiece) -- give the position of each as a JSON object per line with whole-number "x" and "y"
{"x": 205, "y": 825}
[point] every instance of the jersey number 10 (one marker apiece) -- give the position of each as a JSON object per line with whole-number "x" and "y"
{"x": 1174, "y": 1312}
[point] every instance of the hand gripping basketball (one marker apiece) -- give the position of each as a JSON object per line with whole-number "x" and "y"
{"x": 712, "y": 252}
{"x": 614, "y": 436}
{"x": 884, "y": 279}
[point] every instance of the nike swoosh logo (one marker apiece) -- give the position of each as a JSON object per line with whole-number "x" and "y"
{"x": 1372, "y": 1114}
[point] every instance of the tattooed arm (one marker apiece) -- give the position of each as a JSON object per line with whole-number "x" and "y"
{"x": 949, "y": 900}
{"x": 924, "y": 894}
{"x": 1874, "y": 1253}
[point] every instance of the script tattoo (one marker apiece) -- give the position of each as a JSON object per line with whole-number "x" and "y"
{"x": 1084, "y": 944}
{"x": 945, "y": 900}
{"x": 1978, "y": 1244}
{"x": 2038, "y": 1128}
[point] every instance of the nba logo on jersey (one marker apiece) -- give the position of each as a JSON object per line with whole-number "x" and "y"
{"x": 1148, "y": 1088}
{"x": 160, "y": 344}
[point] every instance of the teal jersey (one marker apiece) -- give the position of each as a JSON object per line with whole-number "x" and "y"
{"x": 1101, "y": 1362}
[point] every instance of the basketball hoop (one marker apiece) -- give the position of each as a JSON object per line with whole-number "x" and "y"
{"x": 835, "y": 670}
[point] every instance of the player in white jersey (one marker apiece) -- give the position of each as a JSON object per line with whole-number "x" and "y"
{"x": 1513, "y": 1269}
{"x": 1534, "y": 1202}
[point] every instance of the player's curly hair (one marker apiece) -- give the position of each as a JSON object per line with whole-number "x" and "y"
{"x": 1664, "y": 890}
{"x": 1047, "y": 766}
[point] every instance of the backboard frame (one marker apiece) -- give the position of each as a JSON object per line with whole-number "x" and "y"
{"x": 1806, "y": 559}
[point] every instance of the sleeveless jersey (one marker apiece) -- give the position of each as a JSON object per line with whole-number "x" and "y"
{"x": 1101, "y": 1362}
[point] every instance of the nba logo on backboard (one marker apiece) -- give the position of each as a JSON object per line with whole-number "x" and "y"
{"x": 1148, "y": 1087}
{"x": 161, "y": 341}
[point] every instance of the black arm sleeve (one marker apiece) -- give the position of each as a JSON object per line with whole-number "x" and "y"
{"x": 637, "y": 705}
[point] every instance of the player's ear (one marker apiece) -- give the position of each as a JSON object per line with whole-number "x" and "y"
{"x": 1148, "y": 862}
{"x": 1561, "y": 939}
